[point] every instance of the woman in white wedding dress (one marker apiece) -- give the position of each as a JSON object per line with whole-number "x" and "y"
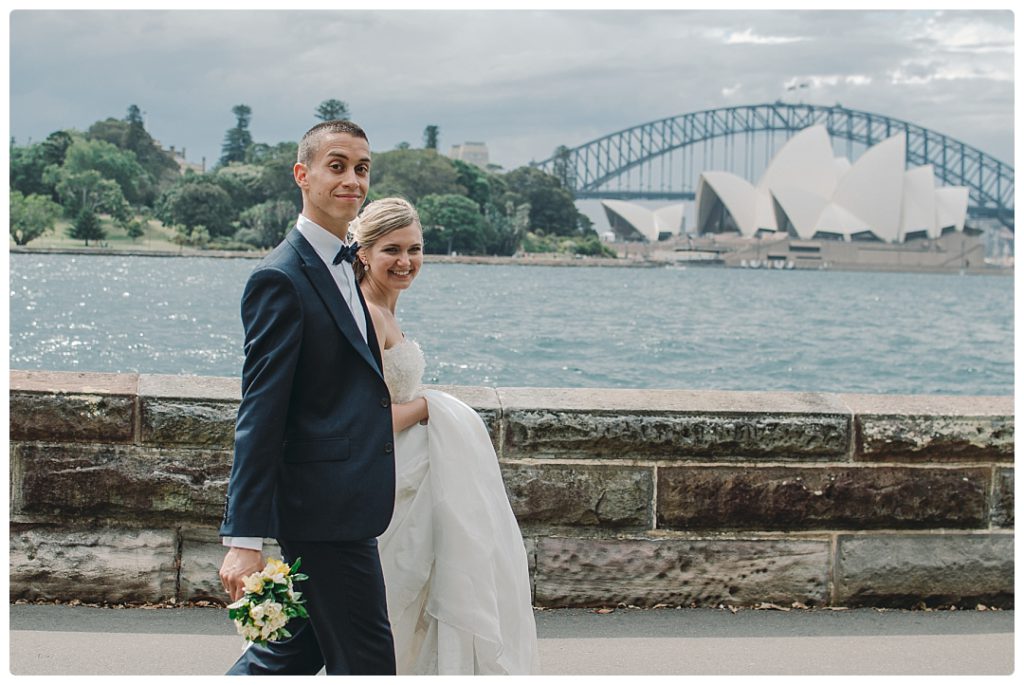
{"x": 454, "y": 563}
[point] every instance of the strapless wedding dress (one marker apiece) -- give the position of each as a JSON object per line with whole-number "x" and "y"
{"x": 455, "y": 568}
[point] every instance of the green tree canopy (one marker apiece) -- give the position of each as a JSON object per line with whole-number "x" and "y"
{"x": 552, "y": 209}
{"x": 86, "y": 191}
{"x": 31, "y": 216}
{"x": 413, "y": 174}
{"x": 238, "y": 139}
{"x": 197, "y": 201}
{"x": 113, "y": 163}
{"x": 265, "y": 225}
{"x": 332, "y": 109}
{"x": 87, "y": 227}
{"x": 453, "y": 223}
{"x": 430, "y": 136}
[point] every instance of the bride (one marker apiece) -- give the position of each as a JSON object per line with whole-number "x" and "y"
{"x": 455, "y": 569}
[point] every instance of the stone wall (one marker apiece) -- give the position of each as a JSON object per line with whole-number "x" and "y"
{"x": 640, "y": 497}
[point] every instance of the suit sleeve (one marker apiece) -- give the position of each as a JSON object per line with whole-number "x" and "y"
{"x": 272, "y": 318}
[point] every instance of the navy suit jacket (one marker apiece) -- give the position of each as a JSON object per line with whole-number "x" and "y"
{"x": 314, "y": 453}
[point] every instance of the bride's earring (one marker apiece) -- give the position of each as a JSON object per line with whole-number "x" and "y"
{"x": 366, "y": 267}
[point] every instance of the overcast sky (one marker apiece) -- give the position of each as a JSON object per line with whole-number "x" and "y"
{"x": 523, "y": 82}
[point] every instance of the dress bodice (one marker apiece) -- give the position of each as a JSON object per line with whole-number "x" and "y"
{"x": 403, "y": 370}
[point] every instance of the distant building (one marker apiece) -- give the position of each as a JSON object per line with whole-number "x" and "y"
{"x": 807, "y": 193}
{"x": 474, "y": 153}
{"x": 179, "y": 157}
{"x": 632, "y": 222}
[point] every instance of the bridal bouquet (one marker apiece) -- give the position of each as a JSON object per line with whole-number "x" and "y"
{"x": 269, "y": 603}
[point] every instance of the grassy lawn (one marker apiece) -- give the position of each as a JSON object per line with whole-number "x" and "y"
{"x": 156, "y": 236}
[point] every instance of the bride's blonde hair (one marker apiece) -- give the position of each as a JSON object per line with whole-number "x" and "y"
{"x": 377, "y": 219}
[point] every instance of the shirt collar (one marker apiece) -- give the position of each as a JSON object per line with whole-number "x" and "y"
{"x": 323, "y": 241}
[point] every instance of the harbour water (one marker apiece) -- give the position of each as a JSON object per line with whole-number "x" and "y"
{"x": 544, "y": 326}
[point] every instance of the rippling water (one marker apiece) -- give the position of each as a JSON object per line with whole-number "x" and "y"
{"x": 553, "y": 326}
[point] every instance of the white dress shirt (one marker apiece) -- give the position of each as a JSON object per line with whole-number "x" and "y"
{"x": 326, "y": 245}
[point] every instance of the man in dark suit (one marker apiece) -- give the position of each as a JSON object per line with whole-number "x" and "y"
{"x": 314, "y": 463}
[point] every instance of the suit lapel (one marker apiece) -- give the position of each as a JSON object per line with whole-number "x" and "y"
{"x": 323, "y": 282}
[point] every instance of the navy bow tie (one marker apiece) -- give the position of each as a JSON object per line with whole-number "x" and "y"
{"x": 347, "y": 252}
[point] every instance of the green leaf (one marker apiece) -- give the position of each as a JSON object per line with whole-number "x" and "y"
{"x": 295, "y": 566}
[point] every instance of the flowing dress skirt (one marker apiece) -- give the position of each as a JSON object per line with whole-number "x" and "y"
{"x": 454, "y": 563}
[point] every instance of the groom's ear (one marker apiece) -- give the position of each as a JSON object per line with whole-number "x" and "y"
{"x": 299, "y": 172}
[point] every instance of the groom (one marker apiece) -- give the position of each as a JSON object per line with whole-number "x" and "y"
{"x": 314, "y": 464}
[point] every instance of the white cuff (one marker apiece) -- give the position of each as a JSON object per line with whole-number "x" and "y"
{"x": 244, "y": 543}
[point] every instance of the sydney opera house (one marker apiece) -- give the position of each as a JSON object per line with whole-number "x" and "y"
{"x": 806, "y": 192}
{"x": 812, "y": 209}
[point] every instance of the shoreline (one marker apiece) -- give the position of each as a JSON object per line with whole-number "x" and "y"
{"x": 541, "y": 259}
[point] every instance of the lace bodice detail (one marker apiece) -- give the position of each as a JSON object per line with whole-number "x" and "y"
{"x": 403, "y": 370}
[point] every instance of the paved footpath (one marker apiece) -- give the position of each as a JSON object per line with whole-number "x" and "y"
{"x": 62, "y": 640}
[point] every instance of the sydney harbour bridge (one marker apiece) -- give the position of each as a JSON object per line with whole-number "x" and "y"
{"x": 663, "y": 159}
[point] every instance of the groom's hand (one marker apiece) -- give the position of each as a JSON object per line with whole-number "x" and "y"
{"x": 239, "y": 563}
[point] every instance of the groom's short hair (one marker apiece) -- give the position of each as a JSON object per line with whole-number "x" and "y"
{"x": 310, "y": 142}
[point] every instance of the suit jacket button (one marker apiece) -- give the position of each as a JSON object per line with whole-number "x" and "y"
{"x": 388, "y": 447}
{"x": 385, "y": 402}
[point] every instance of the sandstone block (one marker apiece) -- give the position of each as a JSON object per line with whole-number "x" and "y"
{"x": 902, "y": 570}
{"x": 933, "y": 428}
{"x": 71, "y": 417}
{"x": 101, "y": 565}
{"x": 188, "y": 422}
{"x": 821, "y": 498}
{"x": 1002, "y": 499}
{"x": 580, "y": 495}
{"x": 118, "y": 481}
{"x": 673, "y": 424}
{"x": 201, "y": 556}
{"x": 576, "y": 572}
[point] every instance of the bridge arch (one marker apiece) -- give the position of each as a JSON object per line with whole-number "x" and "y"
{"x": 588, "y": 169}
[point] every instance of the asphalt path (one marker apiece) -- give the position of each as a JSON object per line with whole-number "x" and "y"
{"x": 64, "y": 640}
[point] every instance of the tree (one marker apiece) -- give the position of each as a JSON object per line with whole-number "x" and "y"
{"x": 552, "y": 209}
{"x": 120, "y": 166}
{"x": 87, "y": 190}
{"x": 277, "y": 181}
{"x": 265, "y": 225}
{"x": 238, "y": 139}
{"x": 135, "y": 228}
{"x": 332, "y": 109}
{"x": 27, "y": 166}
{"x": 31, "y": 216}
{"x": 453, "y": 223}
{"x": 475, "y": 180}
{"x": 197, "y": 201}
{"x": 430, "y": 135}
{"x": 87, "y": 227}
{"x": 413, "y": 174}
{"x": 562, "y": 168}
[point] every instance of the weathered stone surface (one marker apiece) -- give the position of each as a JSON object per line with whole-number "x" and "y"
{"x": 103, "y": 565}
{"x": 826, "y": 498}
{"x": 681, "y": 424}
{"x": 74, "y": 382}
{"x": 903, "y": 570}
{"x": 596, "y": 572}
{"x": 1002, "y": 499}
{"x": 932, "y": 428}
{"x": 71, "y": 417}
{"x": 188, "y": 422}
{"x": 206, "y": 388}
{"x": 580, "y": 495}
{"x": 130, "y": 482}
{"x": 542, "y": 433}
{"x": 201, "y": 556}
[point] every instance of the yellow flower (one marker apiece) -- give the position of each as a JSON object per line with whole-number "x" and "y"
{"x": 257, "y": 611}
{"x": 276, "y": 570}
{"x": 253, "y": 583}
